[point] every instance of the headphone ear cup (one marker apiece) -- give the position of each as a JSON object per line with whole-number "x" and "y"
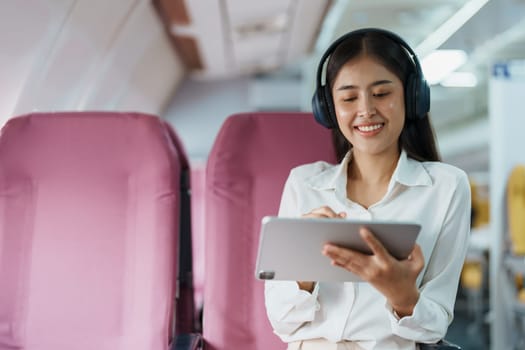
{"x": 423, "y": 99}
{"x": 330, "y": 107}
{"x": 417, "y": 97}
{"x": 321, "y": 108}
{"x": 410, "y": 97}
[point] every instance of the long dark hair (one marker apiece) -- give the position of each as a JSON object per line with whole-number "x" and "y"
{"x": 417, "y": 137}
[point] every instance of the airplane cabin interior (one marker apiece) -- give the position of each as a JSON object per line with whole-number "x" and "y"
{"x": 143, "y": 141}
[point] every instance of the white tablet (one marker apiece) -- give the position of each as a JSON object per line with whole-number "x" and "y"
{"x": 290, "y": 248}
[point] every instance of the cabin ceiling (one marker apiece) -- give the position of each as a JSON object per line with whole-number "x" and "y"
{"x": 225, "y": 38}
{"x": 222, "y": 38}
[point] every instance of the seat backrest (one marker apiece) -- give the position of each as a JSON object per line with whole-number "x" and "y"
{"x": 515, "y": 198}
{"x": 88, "y": 234}
{"x": 246, "y": 170}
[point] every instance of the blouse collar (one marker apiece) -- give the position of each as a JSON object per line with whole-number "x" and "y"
{"x": 408, "y": 172}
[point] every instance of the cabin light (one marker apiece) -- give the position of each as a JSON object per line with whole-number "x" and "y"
{"x": 452, "y": 25}
{"x": 440, "y": 63}
{"x": 460, "y": 79}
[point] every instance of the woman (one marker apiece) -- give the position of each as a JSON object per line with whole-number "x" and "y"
{"x": 377, "y": 100}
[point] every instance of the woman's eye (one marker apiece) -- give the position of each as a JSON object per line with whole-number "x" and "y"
{"x": 349, "y": 99}
{"x": 381, "y": 94}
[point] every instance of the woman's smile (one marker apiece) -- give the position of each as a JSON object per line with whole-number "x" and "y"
{"x": 369, "y": 129}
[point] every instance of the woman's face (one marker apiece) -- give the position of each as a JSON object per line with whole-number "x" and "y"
{"x": 369, "y": 105}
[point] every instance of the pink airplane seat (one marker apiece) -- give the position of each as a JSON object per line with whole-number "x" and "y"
{"x": 89, "y": 205}
{"x": 246, "y": 170}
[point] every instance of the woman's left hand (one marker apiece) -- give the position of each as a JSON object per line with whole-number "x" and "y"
{"x": 395, "y": 279}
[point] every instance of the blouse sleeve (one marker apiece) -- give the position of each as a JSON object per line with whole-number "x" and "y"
{"x": 434, "y": 310}
{"x": 287, "y": 306}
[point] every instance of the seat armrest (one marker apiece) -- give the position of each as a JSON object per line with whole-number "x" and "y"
{"x": 190, "y": 341}
{"x": 441, "y": 345}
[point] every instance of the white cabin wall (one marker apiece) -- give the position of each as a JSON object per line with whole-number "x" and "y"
{"x": 209, "y": 102}
{"x": 85, "y": 54}
{"x": 200, "y": 106}
{"x": 27, "y": 30}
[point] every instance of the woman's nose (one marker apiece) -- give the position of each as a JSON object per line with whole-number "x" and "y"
{"x": 366, "y": 107}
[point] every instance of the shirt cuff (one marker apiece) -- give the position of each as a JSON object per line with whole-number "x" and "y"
{"x": 421, "y": 325}
{"x": 297, "y": 305}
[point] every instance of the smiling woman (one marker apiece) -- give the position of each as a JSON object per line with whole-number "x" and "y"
{"x": 377, "y": 101}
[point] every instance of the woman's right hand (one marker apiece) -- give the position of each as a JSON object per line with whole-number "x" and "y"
{"x": 322, "y": 212}
{"x": 325, "y": 212}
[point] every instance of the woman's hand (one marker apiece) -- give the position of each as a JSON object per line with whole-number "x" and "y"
{"x": 322, "y": 212}
{"x": 325, "y": 212}
{"x": 395, "y": 279}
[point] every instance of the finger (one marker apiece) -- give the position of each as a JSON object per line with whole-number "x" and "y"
{"x": 336, "y": 254}
{"x": 334, "y": 250}
{"x": 350, "y": 264}
{"x": 375, "y": 245}
{"x": 416, "y": 258}
{"x": 342, "y": 256}
{"x": 324, "y": 211}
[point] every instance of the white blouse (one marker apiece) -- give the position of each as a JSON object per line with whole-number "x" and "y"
{"x": 433, "y": 194}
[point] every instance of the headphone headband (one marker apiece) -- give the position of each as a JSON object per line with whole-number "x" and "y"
{"x": 417, "y": 91}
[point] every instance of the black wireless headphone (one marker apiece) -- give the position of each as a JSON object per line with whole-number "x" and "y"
{"x": 417, "y": 91}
